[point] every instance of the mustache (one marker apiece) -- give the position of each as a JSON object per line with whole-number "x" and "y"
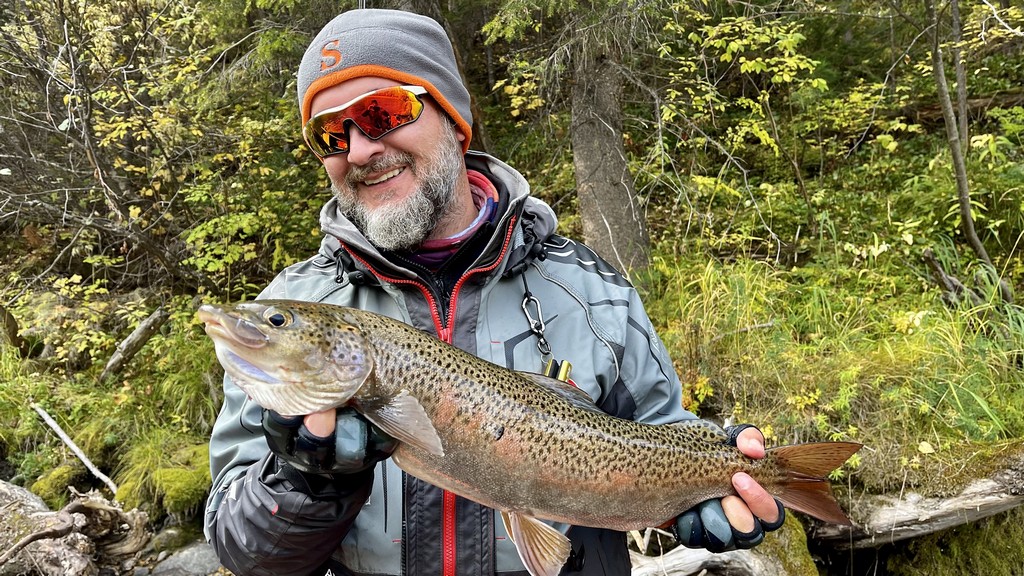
{"x": 357, "y": 174}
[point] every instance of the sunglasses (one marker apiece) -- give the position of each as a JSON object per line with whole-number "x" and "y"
{"x": 374, "y": 113}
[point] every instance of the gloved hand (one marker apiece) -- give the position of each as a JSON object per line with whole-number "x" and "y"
{"x": 706, "y": 526}
{"x": 354, "y": 446}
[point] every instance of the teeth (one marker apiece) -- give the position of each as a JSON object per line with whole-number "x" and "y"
{"x": 386, "y": 176}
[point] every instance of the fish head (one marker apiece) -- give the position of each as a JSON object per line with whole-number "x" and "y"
{"x": 291, "y": 357}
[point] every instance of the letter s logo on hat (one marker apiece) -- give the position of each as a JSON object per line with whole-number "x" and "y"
{"x": 330, "y": 56}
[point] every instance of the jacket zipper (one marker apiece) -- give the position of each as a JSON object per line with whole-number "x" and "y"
{"x": 446, "y": 333}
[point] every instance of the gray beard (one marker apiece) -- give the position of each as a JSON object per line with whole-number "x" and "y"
{"x": 406, "y": 225}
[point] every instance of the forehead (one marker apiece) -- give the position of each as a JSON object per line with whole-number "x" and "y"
{"x": 341, "y": 93}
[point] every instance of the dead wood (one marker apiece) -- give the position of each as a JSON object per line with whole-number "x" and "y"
{"x": 931, "y": 113}
{"x": 686, "y": 561}
{"x": 884, "y": 519}
{"x": 35, "y": 540}
{"x": 9, "y": 331}
{"x": 954, "y": 291}
{"x": 74, "y": 447}
{"x": 131, "y": 345}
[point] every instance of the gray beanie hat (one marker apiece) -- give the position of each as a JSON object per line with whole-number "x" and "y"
{"x": 400, "y": 46}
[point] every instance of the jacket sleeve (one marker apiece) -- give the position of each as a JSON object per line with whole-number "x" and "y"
{"x": 258, "y": 520}
{"x": 648, "y": 372}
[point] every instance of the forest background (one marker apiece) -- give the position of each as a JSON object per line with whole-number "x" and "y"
{"x": 821, "y": 201}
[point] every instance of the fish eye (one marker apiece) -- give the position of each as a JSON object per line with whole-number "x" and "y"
{"x": 277, "y": 318}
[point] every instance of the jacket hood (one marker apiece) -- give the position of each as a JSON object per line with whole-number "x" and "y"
{"x": 536, "y": 222}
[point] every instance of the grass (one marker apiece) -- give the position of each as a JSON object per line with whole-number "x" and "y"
{"x": 148, "y": 429}
{"x": 809, "y": 354}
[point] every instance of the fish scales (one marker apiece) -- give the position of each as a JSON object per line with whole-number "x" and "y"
{"x": 529, "y": 446}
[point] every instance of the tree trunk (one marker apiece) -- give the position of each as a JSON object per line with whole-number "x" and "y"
{"x": 614, "y": 223}
{"x": 960, "y": 73}
{"x": 953, "y": 137}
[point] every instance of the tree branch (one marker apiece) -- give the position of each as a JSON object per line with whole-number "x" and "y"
{"x": 74, "y": 447}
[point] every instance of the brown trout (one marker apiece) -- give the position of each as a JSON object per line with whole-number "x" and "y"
{"x": 532, "y": 447}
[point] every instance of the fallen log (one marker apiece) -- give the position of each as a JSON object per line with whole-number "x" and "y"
{"x": 686, "y": 562}
{"x": 784, "y": 552}
{"x": 74, "y": 447}
{"x": 884, "y": 519}
{"x": 131, "y": 345}
{"x": 35, "y": 540}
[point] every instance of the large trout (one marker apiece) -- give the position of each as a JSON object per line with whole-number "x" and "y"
{"x": 530, "y": 446}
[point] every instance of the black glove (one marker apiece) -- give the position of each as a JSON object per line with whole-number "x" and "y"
{"x": 705, "y": 525}
{"x": 355, "y": 446}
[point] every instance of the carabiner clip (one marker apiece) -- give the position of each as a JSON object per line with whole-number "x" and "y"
{"x": 536, "y": 325}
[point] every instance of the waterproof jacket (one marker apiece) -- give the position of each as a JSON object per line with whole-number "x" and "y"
{"x": 389, "y": 522}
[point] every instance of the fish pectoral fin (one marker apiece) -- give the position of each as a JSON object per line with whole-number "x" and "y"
{"x": 404, "y": 418}
{"x": 542, "y": 549}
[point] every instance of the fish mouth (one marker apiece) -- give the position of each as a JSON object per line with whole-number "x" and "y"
{"x": 222, "y": 326}
{"x": 232, "y": 337}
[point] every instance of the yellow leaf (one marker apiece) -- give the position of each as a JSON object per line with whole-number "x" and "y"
{"x": 925, "y": 448}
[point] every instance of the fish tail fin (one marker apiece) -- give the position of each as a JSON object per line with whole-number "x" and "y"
{"x": 805, "y": 485}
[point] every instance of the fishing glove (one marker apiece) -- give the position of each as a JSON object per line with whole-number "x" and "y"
{"x": 355, "y": 446}
{"x": 705, "y": 525}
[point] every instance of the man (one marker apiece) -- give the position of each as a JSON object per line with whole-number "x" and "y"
{"x": 449, "y": 241}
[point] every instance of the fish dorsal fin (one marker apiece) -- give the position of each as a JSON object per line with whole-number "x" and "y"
{"x": 703, "y": 429}
{"x": 542, "y": 549}
{"x": 404, "y": 418}
{"x": 568, "y": 392}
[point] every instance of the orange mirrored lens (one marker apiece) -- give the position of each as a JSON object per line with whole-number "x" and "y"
{"x": 375, "y": 114}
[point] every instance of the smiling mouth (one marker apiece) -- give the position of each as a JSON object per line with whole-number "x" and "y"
{"x": 384, "y": 177}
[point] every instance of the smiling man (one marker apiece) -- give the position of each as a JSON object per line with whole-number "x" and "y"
{"x": 397, "y": 192}
{"x": 450, "y": 241}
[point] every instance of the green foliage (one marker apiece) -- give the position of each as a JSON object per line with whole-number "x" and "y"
{"x": 148, "y": 428}
{"x": 165, "y": 471}
{"x": 815, "y": 354}
{"x": 160, "y": 100}
{"x": 990, "y": 546}
{"x": 792, "y": 166}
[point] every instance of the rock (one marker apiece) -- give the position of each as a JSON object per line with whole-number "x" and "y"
{"x": 196, "y": 559}
{"x": 173, "y": 538}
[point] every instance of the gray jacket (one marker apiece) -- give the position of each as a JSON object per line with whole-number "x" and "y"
{"x": 391, "y": 523}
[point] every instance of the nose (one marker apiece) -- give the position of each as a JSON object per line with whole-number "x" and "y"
{"x": 360, "y": 148}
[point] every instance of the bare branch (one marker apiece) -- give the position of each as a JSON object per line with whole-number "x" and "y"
{"x": 74, "y": 447}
